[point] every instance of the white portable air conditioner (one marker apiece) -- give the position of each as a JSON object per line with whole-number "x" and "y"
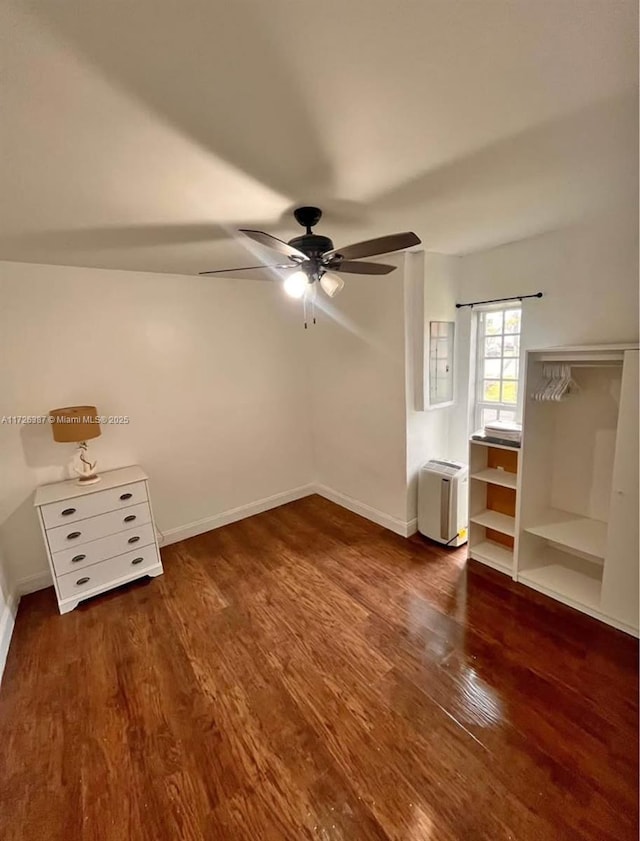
{"x": 443, "y": 505}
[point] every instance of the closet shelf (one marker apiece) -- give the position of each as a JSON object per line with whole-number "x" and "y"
{"x": 496, "y": 521}
{"x": 493, "y": 554}
{"x": 571, "y": 585}
{"x": 580, "y": 534}
{"x": 496, "y": 477}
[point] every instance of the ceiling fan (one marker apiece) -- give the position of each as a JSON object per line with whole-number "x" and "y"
{"x": 315, "y": 259}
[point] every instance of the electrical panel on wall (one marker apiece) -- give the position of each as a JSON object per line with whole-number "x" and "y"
{"x": 441, "y": 345}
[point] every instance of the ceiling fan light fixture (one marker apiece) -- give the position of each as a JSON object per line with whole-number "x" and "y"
{"x": 296, "y": 284}
{"x": 331, "y": 284}
{"x": 310, "y": 255}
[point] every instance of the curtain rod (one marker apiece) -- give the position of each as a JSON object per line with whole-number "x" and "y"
{"x": 500, "y": 300}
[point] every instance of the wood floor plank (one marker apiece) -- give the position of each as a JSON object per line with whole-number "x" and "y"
{"x": 306, "y": 674}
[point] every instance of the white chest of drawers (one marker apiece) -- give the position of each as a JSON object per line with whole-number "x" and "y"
{"x": 99, "y": 536}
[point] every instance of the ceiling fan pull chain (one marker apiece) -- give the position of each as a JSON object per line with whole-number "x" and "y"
{"x": 304, "y": 309}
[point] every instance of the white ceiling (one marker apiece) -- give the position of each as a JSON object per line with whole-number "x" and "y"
{"x": 137, "y": 134}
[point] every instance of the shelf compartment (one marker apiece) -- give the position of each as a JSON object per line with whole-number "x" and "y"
{"x": 515, "y": 448}
{"x": 496, "y": 477}
{"x": 496, "y": 521}
{"x": 565, "y": 577}
{"x": 493, "y": 554}
{"x": 572, "y": 532}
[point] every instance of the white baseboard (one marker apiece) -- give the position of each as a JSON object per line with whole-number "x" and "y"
{"x": 401, "y": 527}
{"x": 33, "y": 583}
{"x": 394, "y": 524}
{"x": 234, "y": 514}
{"x": 412, "y": 527}
{"x": 7, "y": 622}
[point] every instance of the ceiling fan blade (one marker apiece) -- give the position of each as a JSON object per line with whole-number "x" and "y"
{"x": 360, "y": 267}
{"x": 276, "y": 244}
{"x": 380, "y": 245}
{"x": 250, "y": 269}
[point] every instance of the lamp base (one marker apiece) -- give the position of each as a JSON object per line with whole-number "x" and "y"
{"x": 83, "y": 466}
{"x": 91, "y": 480}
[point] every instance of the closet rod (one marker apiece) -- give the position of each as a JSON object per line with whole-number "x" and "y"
{"x": 500, "y": 300}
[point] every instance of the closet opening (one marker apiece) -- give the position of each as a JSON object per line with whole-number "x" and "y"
{"x": 568, "y": 458}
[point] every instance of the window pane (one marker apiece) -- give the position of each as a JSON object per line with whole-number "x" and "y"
{"x": 492, "y": 368}
{"x": 493, "y": 346}
{"x": 491, "y": 391}
{"x": 512, "y": 321}
{"x": 497, "y": 364}
{"x": 511, "y": 346}
{"x": 493, "y": 323}
{"x": 489, "y": 415}
{"x": 510, "y": 392}
{"x": 510, "y": 369}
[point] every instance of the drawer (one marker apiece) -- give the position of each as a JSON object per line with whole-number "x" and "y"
{"x": 91, "y": 504}
{"x": 101, "y": 549}
{"x": 75, "y": 534}
{"x": 107, "y": 572}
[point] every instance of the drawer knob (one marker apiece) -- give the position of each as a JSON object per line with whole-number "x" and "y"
{"x": 125, "y": 496}
{"x": 137, "y": 560}
{"x": 130, "y": 518}
{"x": 77, "y": 558}
{"x": 68, "y": 511}
{"x": 72, "y": 535}
{"x": 83, "y": 580}
{"x": 133, "y": 539}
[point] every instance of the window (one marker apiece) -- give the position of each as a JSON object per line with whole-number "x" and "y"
{"x": 441, "y": 335}
{"x": 497, "y": 364}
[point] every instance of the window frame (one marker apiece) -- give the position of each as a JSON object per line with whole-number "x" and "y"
{"x": 479, "y": 403}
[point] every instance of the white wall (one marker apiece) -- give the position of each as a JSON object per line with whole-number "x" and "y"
{"x": 589, "y": 276}
{"x": 208, "y": 370}
{"x": 370, "y": 436}
{"x": 358, "y": 396}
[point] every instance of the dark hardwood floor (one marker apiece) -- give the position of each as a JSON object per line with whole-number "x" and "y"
{"x": 305, "y": 674}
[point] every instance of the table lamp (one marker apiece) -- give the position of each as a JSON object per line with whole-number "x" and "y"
{"x": 78, "y": 424}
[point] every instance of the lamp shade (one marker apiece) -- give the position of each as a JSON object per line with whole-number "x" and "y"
{"x": 74, "y": 423}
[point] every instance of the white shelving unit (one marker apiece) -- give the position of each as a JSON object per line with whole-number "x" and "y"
{"x": 576, "y": 523}
{"x": 493, "y": 554}
{"x": 492, "y": 489}
{"x": 496, "y": 477}
{"x": 496, "y": 521}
